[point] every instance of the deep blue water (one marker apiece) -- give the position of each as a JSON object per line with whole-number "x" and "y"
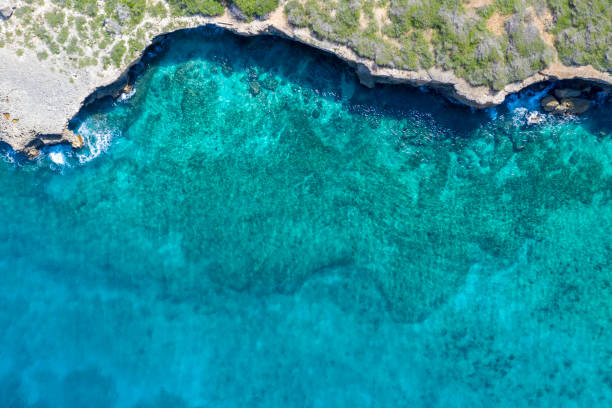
{"x": 252, "y": 228}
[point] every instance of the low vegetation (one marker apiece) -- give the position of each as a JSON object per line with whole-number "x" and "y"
{"x": 584, "y": 32}
{"x": 256, "y": 8}
{"x": 487, "y": 42}
{"x": 193, "y": 7}
{"x": 117, "y": 53}
{"x": 420, "y": 34}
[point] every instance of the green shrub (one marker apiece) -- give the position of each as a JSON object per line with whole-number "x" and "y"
{"x": 136, "y": 44}
{"x": 55, "y": 18}
{"x": 106, "y": 41}
{"x": 158, "y": 10}
{"x": 110, "y": 7}
{"x": 87, "y": 7}
{"x": 392, "y": 30}
{"x": 81, "y": 27}
{"x": 338, "y": 28}
{"x": 53, "y": 47}
{"x": 62, "y": 36}
{"x": 24, "y": 13}
{"x": 417, "y": 44}
{"x": 583, "y": 31}
{"x": 137, "y": 9}
{"x": 87, "y": 62}
{"x": 409, "y": 14}
{"x": 508, "y": 6}
{"x": 485, "y": 12}
{"x": 192, "y": 7}
{"x": 296, "y": 14}
{"x": 73, "y": 47}
{"x": 347, "y": 18}
{"x": 256, "y": 8}
{"x": 117, "y": 53}
{"x": 368, "y": 45}
{"x": 43, "y": 34}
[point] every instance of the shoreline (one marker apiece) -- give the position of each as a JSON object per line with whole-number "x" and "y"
{"x": 57, "y": 98}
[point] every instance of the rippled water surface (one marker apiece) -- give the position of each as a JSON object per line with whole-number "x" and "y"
{"x": 252, "y": 228}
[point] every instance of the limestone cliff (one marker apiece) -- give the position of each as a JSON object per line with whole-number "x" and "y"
{"x": 40, "y": 93}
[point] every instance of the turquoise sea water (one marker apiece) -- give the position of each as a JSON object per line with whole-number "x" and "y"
{"x": 252, "y": 228}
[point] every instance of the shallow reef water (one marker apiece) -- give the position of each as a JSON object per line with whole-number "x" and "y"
{"x": 252, "y": 228}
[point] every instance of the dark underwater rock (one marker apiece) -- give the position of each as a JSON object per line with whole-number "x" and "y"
{"x": 563, "y": 93}
{"x": 269, "y": 83}
{"x": 227, "y": 69}
{"x": 254, "y": 88}
{"x": 549, "y": 104}
{"x": 575, "y": 106}
{"x": 567, "y": 106}
{"x": 252, "y": 74}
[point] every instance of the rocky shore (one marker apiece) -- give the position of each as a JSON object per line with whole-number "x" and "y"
{"x": 38, "y": 98}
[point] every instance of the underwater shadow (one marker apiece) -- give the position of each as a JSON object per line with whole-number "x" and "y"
{"x": 309, "y": 68}
{"x": 328, "y": 76}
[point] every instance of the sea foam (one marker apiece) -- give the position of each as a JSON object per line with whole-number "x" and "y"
{"x": 96, "y": 142}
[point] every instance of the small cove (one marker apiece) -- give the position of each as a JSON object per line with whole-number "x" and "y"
{"x": 251, "y": 227}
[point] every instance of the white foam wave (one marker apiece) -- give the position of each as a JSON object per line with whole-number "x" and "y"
{"x": 58, "y": 155}
{"x": 8, "y": 156}
{"x": 518, "y": 116}
{"x": 96, "y": 143}
{"x": 522, "y": 116}
{"x": 525, "y": 107}
{"x": 535, "y": 117}
{"x": 127, "y": 95}
{"x": 58, "y": 158}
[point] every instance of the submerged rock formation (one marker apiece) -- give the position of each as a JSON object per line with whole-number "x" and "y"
{"x": 563, "y": 93}
{"x": 567, "y": 101}
{"x": 549, "y": 103}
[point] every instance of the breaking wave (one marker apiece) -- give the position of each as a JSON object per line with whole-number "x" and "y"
{"x": 97, "y": 142}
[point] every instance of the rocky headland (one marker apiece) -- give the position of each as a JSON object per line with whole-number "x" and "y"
{"x": 39, "y": 93}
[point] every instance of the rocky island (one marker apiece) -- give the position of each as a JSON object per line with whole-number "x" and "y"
{"x": 56, "y": 55}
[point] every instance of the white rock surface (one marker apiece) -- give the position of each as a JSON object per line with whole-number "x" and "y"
{"x": 5, "y": 12}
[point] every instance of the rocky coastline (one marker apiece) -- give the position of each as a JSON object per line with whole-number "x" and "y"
{"x": 37, "y": 100}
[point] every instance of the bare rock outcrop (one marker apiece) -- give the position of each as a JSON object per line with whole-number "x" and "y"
{"x": 112, "y": 27}
{"x": 549, "y": 103}
{"x": 574, "y": 106}
{"x": 6, "y": 12}
{"x": 572, "y": 102}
